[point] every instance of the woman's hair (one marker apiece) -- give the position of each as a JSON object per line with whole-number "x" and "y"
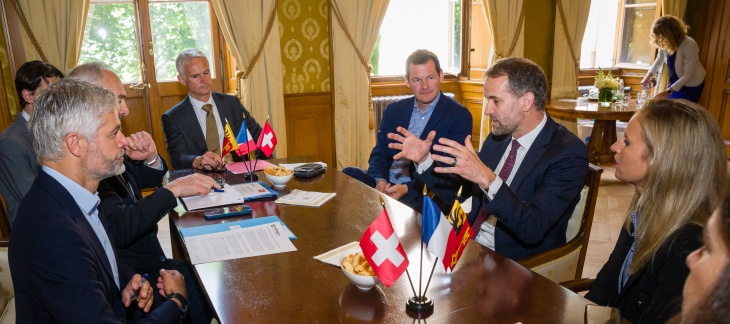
{"x": 668, "y": 32}
{"x": 715, "y": 307}
{"x": 686, "y": 172}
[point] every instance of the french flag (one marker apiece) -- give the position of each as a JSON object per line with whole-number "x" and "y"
{"x": 440, "y": 235}
{"x": 245, "y": 141}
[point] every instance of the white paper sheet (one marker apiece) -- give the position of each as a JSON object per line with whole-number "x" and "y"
{"x": 305, "y": 198}
{"x": 333, "y": 256}
{"x": 232, "y": 194}
{"x": 239, "y": 243}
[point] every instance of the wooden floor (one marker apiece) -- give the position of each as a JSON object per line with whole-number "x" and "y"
{"x": 613, "y": 197}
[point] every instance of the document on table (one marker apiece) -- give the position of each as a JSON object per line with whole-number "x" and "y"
{"x": 239, "y": 243}
{"x": 305, "y": 198}
{"x": 232, "y": 194}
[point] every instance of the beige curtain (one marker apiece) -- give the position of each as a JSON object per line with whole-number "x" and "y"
{"x": 565, "y": 63}
{"x": 58, "y": 26}
{"x": 353, "y": 136}
{"x": 507, "y": 30}
{"x": 675, "y": 8}
{"x": 244, "y": 24}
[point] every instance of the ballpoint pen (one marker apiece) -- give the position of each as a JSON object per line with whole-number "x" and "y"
{"x": 135, "y": 294}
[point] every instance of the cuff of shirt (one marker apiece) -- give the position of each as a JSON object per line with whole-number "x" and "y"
{"x": 158, "y": 160}
{"x": 493, "y": 188}
{"x": 421, "y": 168}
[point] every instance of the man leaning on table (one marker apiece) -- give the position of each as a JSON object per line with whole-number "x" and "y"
{"x": 526, "y": 179}
{"x": 132, "y": 219}
{"x": 63, "y": 266}
{"x": 194, "y": 127}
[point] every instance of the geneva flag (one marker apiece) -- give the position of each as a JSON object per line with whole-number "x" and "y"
{"x": 381, "y": 247}
{"x": 229, "y": 142}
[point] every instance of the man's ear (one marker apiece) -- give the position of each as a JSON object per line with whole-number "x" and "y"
{"x": 181, "y": 80}
{"x": 28, "y": 96}
{"x": 527, "y": 100}
{"x": 75, "y": 144}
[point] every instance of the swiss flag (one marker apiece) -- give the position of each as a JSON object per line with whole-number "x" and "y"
{"x": 381, "y": 247}
{"x": 267, "y": 140}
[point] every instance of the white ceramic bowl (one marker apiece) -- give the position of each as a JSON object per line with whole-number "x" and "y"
{"x": 278, "y": 181}
{"x": 363, "y": 283}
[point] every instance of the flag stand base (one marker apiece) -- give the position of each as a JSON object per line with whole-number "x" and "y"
{"x": 251, "y": 177}
{"x": 421, "y": 306}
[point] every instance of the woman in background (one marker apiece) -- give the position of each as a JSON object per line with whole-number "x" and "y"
{"x": 707, "y": 290}
{"x": 673, "y": 154}
{"x": 681, "y": 53}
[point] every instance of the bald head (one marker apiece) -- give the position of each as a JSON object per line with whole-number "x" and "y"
{"x": 102, "y": 75}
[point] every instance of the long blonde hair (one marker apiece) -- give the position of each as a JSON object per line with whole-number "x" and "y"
{"x": 687, "y": 165}
{"x": 667, "y": 33}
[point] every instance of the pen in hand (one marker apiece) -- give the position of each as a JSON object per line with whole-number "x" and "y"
{"x": 135, "y": 294}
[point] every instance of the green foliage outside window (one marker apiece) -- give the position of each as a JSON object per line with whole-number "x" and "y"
{"x": 110, "y": 38}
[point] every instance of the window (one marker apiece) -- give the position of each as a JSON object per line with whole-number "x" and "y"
{"x": 628, "y": 22}
{"x": 414, "y": 24}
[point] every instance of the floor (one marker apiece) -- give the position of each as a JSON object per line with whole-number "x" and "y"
{"x": 613, "y": 197}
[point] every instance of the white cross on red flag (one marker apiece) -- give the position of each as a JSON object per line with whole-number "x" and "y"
{"x": 381, "y": 247}
{"x": 267, "y": 140}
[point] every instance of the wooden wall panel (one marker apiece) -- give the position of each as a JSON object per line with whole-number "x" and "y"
{"x": 472, "y": 92}
{"x": 309, "y": 126}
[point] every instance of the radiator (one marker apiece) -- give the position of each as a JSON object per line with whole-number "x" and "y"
{"x": 379, "y": 104}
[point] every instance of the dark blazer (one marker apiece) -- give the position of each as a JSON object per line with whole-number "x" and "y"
{"x": 133, "y": 219}
{"x": 532, "y": 212}
{"x": 449, "y": 119}
{"x": 184, "y": 137}
{"x": 18, "y": 164}
{"x": 654, "y": 293}
{"x": 59, "y": 268}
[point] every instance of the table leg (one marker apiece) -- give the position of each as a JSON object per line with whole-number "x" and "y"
{"x": 602, "y": 137}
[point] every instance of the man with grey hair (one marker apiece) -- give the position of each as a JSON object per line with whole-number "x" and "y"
{"x": 132, "y": 218}
{"x": 526, "y": 179}
{"x": 63, "y": 265}
{"x": 194, "y": 127}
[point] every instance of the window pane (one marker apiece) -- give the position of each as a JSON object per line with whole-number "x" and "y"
{"x": 597, "y": 49}
{"x": 110, "y": 37}
{"x": 414, "y": 24}
{"x": 177, "y": 26}
{"x": 635, "y": 47}
{"x": 630, "y": 2}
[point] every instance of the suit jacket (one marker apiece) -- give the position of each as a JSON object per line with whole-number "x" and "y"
{"x": 654, "y": 293}
{"x": 59, "y": 268}
{"x": 449, "y": 119}
{"x": 184, "y": 137}
{"x": 132, "y": 219}
{"x": 532, "y": 212}
{"x": 18, "y": 164}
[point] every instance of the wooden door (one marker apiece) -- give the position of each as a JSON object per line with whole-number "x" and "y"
{"x": 716, "y": 96}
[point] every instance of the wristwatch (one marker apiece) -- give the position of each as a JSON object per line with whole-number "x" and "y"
{"x": 669, "y": 90}
{"x": 184, "y": 303}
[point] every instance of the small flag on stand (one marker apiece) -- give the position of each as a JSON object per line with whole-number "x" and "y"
{"x": 440, "y": 235}
{"x": 383, "y": 250}
{"x": 245, "y": 140}
{"x": 229, "y": 141}
{"x": 267, "y": 140}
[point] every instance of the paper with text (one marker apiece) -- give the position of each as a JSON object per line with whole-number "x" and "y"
{"x": 239, "y": 243}
{"x": 232, "y": 194}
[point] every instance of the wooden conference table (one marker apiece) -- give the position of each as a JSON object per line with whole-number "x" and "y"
{"x": 603, "y": 134}
{"x": 294, "y": 287}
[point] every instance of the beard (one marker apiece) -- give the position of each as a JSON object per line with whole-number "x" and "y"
{"x": 102, "y": 167}
{"x": 503, "y": 129}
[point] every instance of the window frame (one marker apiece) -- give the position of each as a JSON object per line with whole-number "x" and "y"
{"x": 620, "y": 34}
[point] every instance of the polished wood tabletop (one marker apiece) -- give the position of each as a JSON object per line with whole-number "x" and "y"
{"x": 294, "y": 287}
{"x": 603, "y": 134}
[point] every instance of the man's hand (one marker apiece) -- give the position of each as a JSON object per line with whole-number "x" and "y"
{"x": 140, "y": 290}
{"x": 209, "y": 158}
{"x": 141, "y": 147}
{"x": 411, "y": 147}
{"x": 381, "y": 185}
{"x": 396, "y": 191}
{"x": 192, "y": 185}
{"x": 468, "y": 165}
{"x": 171, "y": 281}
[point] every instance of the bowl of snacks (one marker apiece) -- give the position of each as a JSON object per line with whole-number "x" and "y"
{"x": 278, "y": 176}
{"x": 357, "y": 269}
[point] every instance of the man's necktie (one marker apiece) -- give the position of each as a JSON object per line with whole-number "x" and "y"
{"x": 211, "y": 130}
{"x": 504, "y": 175}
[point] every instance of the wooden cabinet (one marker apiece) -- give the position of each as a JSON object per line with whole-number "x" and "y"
{"x": 309, "y": 126}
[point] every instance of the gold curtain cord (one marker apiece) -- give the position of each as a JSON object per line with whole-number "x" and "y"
{"x": 26, "y": 26}
{"x": 243, "y": 74}
{"x": 568, "y": 39}
{"x": 517, "y": 32}
{"x": 365, "y": 63}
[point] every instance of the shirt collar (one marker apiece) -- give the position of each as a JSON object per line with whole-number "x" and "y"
{"x": 25, "y": 115}
{"x": 86, "y": 200}
{"x": 430, "y": 107}
{"x": 529, "y": 138}
{"x": 197, "y": 104}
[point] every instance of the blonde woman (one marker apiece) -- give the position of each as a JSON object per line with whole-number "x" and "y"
{"x": 672, "y": 152}
{"x": 681, "y": 53}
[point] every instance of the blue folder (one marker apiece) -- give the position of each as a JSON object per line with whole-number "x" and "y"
{"x": 222, "y": 227}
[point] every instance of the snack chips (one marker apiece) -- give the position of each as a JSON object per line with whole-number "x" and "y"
{"x": 356, "y": 264}
{"x": 278, "y": 171}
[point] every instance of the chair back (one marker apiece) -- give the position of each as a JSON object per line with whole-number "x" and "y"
{"x": 566, "y": 261}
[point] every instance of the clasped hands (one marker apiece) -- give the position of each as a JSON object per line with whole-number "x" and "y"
{"x": 463, "y": 159}
{"x": 395, "y": 191}
{"x": 140, "y": 290}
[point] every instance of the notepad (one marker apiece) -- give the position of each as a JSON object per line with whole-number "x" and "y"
{"x": 305, "y": 198}
{"x": 232, "y": 194}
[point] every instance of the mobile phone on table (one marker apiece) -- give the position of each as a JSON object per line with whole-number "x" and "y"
{"x": 227, "y": 211}
{"x": 308, "y": 170}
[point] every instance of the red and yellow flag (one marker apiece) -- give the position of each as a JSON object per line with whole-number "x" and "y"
{"x": 229, "y": 141}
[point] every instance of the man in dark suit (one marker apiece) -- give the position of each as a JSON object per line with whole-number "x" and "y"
{"x": 133, "y": 219}
{"x": 18, "y": 165}
{"x": 529, "y": 173}
{"x": 428, "y": 110}
{"x": 63, "y": 265}
{"x": 190, "y": 142}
